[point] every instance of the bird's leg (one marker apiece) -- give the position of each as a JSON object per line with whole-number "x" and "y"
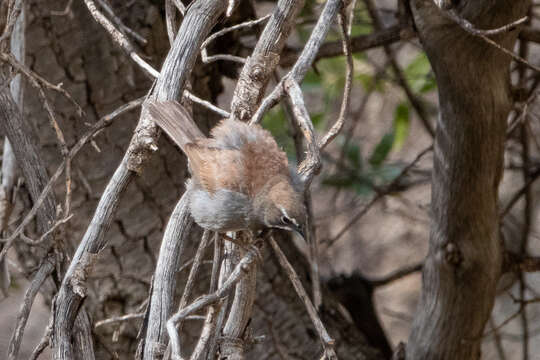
{"x": 234, "y": 241}
{"x": 264, "y": 234}
{"x": 246, "y": 247}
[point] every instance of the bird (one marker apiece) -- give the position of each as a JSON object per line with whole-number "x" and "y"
{"x": 240, "y": 177}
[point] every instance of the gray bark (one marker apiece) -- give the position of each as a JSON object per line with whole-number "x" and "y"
{"x": 464, "y": 260}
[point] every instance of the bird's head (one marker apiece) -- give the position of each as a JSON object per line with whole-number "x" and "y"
{"x": 281, "y": 206}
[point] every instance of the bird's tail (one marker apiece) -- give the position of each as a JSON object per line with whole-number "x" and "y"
{"x": 174, "y": 119}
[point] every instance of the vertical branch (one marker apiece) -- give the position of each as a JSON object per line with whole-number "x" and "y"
{"x": 190, "y": 283}
{"x": 9, "y": 165}
{"x": 264, "y": 59}
{"x": 27, "y": 153}
{"x": 161, "y": 298}
{"x": 208, "y": 334}
{"x": 327, "y": 341}
{"x": 22, "y": 317}
{"x": 528, "y": 197}
{"x": 464, "y": 261}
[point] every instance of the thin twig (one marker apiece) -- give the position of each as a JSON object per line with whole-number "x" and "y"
{"x": 498, "y": 341}
{"x": 469, "y": 28}
{"x": 305, "y": 60}
{"x": 190, "y": 283}
{"x": 239, "y": 271}
{"x": 208, "y": 333}
{"x": 210, "y": 59}
{"x": 11, "y": 20}
{"x": 37, "y": 80}
{"x": 311, "y": 164}
{"x": 377, "y": 197}
{"x": 346, "y": 43}
{"x": 120, "y": 24}
{"x": 206, "y": 104}
{"x": 415, "y": 101}
{"x": 222, "y": 32}
{"x": 22, "y": 317}
{"x": 66, "y": 11}
{"x": 327, "y": 341}
{"x": 128, "y": 317}
{"x": 46, "y": 338}
{"x": 532, "y": 178}
{"x": 43, "y": 237}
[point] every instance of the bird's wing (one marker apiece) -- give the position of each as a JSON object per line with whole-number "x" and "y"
{"x": 263, "y": 160}
{"x": 214, "y": 168}
{"x": 175, "y": 121}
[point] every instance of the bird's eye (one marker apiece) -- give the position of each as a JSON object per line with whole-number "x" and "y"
{"x": 285, "y": 220}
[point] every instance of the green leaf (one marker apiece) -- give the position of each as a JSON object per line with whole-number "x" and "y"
{"x": 338, "y": 181}
{"x": 382, "y": 150}
{"x": 354, "y": 155}
{"x": 361, "y": 29}
{"x": 311, "y": 82}
{"x": 276, "y": 122}
{"x": 317, "y": 119}
{"x": 419, "y": 75}
{"x": 387, "y": 173}
{"x": 401, "y": 125}
{"x": 363, "y": 188}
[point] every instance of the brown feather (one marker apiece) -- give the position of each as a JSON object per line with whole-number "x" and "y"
{"x": 216, "y": 169}
{"x": 175, "y": 121}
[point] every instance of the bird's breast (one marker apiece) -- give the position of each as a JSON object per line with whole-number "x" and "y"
{"x": 222, "y": 210}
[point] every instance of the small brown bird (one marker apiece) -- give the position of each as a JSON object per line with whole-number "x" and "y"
{"x": 240, "y": 178}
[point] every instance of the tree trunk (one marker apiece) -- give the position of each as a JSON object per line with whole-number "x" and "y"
{"x": 464, "y": 260}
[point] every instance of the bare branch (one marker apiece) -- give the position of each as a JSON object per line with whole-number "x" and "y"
{"x": 264, "y": 60}
{"x": 39, "y": 82}
{"x": 415, "y": 101}
{"x": 305, "y": 60}
{"x": 43, "y": 237}
{"x": 386, "y": 36}
{"x": 22, "y": 317}
{"x": 164, "y": 282}
{"x": 104, "y": 4}
{"x": 311, "y": 165}
{"x": 471, "y": 29}
{"x": 9, "y": 164}
{"x": 118, "y": 319}
{"x": 327, "y": 341}
{"x": 188, "y": 288}
{"x": 483, "y": 34}
{"x": 11, "y": 20}
{"x": 346, "y": 43}
{"x": 227, "y": 30}
{"x": 99, "y": 125}
{"x": 239, "y": 271}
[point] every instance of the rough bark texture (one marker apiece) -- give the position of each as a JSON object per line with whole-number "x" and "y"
{"x": 464, "y": 261}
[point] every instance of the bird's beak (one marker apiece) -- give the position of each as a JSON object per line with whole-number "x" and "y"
{"x": 299, "y": 230}
{"x": 293, "y": 228}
